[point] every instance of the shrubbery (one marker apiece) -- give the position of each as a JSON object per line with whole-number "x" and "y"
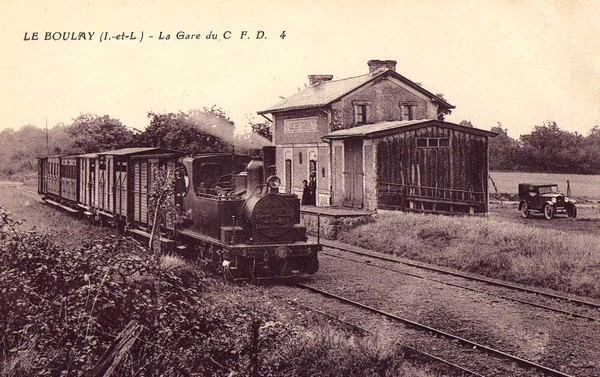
{"x": 62, "y": 308}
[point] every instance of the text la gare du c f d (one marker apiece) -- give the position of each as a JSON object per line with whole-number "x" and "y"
{"x": 139, "y": 36}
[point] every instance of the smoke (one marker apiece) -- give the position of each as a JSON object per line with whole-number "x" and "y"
{"x": 215, "y": 122}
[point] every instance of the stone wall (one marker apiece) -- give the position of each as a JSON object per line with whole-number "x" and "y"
{"x": 330, "y": 227}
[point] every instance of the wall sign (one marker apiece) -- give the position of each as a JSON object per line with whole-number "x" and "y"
{"x": 300, "y": 125}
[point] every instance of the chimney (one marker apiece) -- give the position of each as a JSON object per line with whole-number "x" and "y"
{"x": 376, "y": 66}
{"x": 315, "y": 79}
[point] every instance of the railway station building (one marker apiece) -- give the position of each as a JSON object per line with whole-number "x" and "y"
{"x": 379, "y": 141}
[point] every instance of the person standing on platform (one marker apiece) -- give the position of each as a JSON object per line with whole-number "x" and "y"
{"x": 312, "y": 188}
{"x": 305, "y": 193}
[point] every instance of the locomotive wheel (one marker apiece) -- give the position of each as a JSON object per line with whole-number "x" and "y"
{"x": 549, "y": 211}
{"x": 572, "y": 211}
{"x": 525, "y": 210}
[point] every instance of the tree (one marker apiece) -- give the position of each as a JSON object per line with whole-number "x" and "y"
{"x": 549, "y": 149}
{"x": 466, "y": 123}
{"x": 262, "y": 129}
{"x": 92, "y": 133}
{"x": 191, "y": 133}
{"x": 504, "y": 151}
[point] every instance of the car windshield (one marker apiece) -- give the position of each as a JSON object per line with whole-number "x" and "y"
{"x": 548, "y": 189}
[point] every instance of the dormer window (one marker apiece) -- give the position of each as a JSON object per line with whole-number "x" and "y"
{"x": 360, "y": 112}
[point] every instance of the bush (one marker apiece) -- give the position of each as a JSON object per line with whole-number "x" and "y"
{"x": 60, "y": 309}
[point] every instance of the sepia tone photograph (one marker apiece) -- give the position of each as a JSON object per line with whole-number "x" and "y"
{"x": 300, "y": 188}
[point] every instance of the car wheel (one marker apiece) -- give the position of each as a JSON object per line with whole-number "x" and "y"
{"x": 549, "y": 211}
{"x": 525, "y": 210}
{"x": 572, "y": 211}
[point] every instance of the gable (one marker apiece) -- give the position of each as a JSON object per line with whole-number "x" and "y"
{"x": 324, "y": 93}
{"x": 389, "y": 87}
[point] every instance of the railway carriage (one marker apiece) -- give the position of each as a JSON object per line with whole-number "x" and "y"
{"x": 87, "y": 181}
{"x": 69, "y": 179}
{"x": 52, "y": 177}
{"x": 142, "y": 169}
{"x": 115, "y": 195}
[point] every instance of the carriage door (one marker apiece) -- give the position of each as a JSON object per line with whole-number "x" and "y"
{"x": 353, "y": 173}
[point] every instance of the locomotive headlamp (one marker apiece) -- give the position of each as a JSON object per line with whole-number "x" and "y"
{"x": 553, "y": 200}
{"x": 274, "y": 181}
{"x": 283, "y": 252}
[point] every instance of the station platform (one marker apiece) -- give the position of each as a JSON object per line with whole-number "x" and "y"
{"x": 331, "y": 211}
{"x": 326, "y": 222}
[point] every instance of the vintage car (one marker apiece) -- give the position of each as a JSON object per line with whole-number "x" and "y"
{"x": 545, "y": 199}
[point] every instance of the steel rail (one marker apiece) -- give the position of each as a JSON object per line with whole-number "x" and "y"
{"x": 470, "y": 277}
{"x": 405, "y": 347}
{"x": 420, "y": 326}
{"x": 550, "y": 308}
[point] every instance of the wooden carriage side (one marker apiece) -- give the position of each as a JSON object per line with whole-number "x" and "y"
{"x": 69, "y": 179}
{"x": 142, "y": 172}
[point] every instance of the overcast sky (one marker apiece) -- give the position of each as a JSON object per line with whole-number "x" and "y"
{"x": 520, "y": 63}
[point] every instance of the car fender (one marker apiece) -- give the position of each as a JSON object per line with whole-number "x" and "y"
{"x": 549, "y": 202}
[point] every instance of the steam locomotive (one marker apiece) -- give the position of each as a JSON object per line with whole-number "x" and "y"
{"x": 237, "y": 220}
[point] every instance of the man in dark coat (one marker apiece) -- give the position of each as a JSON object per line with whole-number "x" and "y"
{"x": 312, "y": 188}
{"x": 305, "y": 193}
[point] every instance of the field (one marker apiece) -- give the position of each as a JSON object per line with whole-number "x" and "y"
{"x": 582, "y": 186}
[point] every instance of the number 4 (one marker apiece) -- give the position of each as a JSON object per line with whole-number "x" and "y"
{"x": 282, "y": 36}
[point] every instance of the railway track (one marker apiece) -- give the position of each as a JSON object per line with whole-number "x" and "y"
{"x": 406, "y": 349}
{"x": 439, "y": 333}
{"x": 546, "y": 307}
{"x": 445, "y": 271}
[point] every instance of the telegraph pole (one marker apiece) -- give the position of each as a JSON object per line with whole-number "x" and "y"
{"x": 46, "y": 136}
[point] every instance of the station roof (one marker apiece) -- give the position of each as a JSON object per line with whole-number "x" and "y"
{"x": 326, "y": 92}
{"x": 370, "y": 131}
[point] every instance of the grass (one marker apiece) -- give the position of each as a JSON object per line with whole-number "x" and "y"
{"x": 68, "y": 229}
{"x": 526, "y": 255}
{"x": 582, "y": 186}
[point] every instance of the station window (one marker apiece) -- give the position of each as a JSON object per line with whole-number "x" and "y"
{"x": 433, "y": 142}
{"x": 360, "y": 114}
{"x": 408, "y": 112}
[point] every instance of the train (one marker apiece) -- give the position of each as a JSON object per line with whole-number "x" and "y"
{"x": 237, "y": 221}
